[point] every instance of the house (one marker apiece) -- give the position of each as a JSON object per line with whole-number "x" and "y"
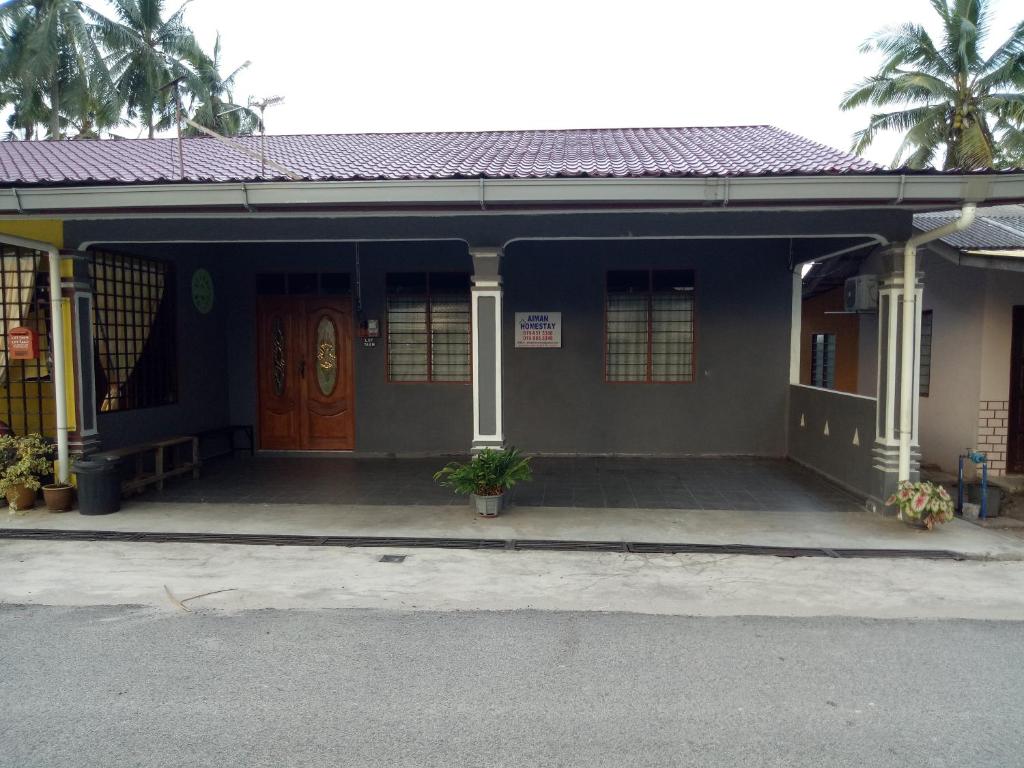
{"x": 630, "y": 292}
{"x": 972, "y": 330}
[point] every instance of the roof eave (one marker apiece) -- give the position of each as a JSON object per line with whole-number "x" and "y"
{"x": 914, "y": 192}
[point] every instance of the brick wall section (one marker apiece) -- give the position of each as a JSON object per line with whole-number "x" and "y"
{"x": 992, "y": 429}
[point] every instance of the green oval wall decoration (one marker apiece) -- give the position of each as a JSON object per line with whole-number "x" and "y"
{"x": 202, "y": 291}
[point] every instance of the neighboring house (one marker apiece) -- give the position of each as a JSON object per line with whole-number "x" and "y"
{"x": 972, "y": 332}
{"x": 621, "y": 291}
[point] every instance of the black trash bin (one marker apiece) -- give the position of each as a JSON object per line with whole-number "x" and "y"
{"x": 99, "y": 485}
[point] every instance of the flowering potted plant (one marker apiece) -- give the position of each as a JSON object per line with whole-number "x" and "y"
{"x": 922, "y": 504}
{"x": 486, "y": 477}
{"x": 23, "y": 460}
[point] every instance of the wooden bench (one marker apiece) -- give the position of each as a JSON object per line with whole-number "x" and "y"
{"x": 142, "y": 476}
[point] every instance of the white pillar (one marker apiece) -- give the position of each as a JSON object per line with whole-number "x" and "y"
{"x": 795, "y": 330}
{"x": 891, "y": 416}
{"x": 487, "y": 348}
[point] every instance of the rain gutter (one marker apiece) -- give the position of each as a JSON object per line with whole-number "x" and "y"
{"x": 928, "y": 191}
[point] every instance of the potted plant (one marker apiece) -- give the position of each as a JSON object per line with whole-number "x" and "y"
{"x": 59, "y": 497}
{"x": 23, "y": 460}
{"x": 922, "y": 504}
{"x": 486, "y": 477}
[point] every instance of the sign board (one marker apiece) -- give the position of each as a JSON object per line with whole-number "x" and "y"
{"x": 22, "y": 344}
{"x": 538, "y": 330}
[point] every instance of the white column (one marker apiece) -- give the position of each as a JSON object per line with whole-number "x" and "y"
{"x": 890, "y": 353}
{"x": 796, "y": 320}
{"x": 487, "y": 348}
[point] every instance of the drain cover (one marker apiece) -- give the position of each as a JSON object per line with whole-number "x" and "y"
{"x": 392, "y": 559}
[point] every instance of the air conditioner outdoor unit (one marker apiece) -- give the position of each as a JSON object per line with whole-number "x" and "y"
{"x": 861, "y": 293}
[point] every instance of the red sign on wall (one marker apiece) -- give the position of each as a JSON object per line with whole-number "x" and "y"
{"x": 22, "y": 344}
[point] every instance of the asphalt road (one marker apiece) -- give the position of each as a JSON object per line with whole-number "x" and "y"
{"x": 140, "y": 687}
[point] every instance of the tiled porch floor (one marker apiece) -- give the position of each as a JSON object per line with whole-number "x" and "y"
{"x": 631, "y": 483}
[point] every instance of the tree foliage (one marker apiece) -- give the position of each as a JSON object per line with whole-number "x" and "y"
{"x": 68, "y": 69}
{"x": 949, "y": 100}
{"x": 215, "y": 107}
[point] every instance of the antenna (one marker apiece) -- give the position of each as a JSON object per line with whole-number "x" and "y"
{"x": 177, "y": 120}
{"x": 261, "y": 105}
{"x": 264, "y": 162}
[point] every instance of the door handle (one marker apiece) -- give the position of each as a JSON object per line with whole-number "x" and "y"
{"x": 302, "y": 369}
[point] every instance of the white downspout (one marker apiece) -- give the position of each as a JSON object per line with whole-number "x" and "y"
{"x": 57, "y": 332}
{"x": 908, "y": 341}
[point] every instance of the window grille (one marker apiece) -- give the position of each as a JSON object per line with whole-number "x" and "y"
{"x": 823, "y": 360}
{"x": 428, "y": 327}
{"x": 926, "y": 353}
{"x": 26, "y": 389}
{"x": 649, "y": 326}
{"x": 134, "y": 318}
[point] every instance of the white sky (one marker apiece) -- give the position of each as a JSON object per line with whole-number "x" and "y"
{"x": 392, "y": 65}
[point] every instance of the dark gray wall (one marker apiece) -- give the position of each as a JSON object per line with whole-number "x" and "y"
{"x": 201, "y": 354}
{"x": 390, "y": 417}
{"x": 834, "y": 454}
{"x": 217, "y": 352}
{"x": 557, "y": 401}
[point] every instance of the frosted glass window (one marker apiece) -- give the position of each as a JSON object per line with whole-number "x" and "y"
{"x": 649, "y": 326}
{"x": 429, "y": 327}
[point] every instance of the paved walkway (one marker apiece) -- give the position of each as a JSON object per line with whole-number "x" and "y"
{"x": 836, "y": 530}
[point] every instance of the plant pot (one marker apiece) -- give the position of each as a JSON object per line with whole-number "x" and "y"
{"x": 919, "y": 524}
{"x": 488, "y": 506}
{"x": 20, "y": 498}
{"x": 59, "y": 497}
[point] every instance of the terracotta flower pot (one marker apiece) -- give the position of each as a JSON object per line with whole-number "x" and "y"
{"x": 914, "y": 522}
{"x": 59, "y": 497}
{"x": 20, "y": 498}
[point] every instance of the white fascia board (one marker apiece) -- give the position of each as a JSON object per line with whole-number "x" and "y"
{"x": 778, "y": 190}
{"x": 145, "y": 196}
{"x": 317, "y": 193}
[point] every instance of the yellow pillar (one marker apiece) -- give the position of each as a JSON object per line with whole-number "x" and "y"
{"x": 51, "y": 231}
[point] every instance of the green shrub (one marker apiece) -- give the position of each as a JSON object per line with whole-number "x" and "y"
{"x": 23, "y": 460}
{"x": 489, "y": 473}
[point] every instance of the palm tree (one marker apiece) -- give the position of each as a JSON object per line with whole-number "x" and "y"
{"x": 49, "y": 49}
{"x": 146, "y": 52}
{"x": 28, "y": 110}
{"x": 94, "y": 109}
{"x": 951, "y": 97}
{"x": 216, "y": 108}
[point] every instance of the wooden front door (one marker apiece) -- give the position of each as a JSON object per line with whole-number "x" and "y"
{"x": 305, "y": 376}
{"x": 1015, "y": 436}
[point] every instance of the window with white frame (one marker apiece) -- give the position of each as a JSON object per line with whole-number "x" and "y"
{"x": 649, "y": 326}
{"x": 428, "y": 327}
{"x": 823, "y": 360}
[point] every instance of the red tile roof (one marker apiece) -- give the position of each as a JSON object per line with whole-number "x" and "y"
{"x": 619, "y": 152}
